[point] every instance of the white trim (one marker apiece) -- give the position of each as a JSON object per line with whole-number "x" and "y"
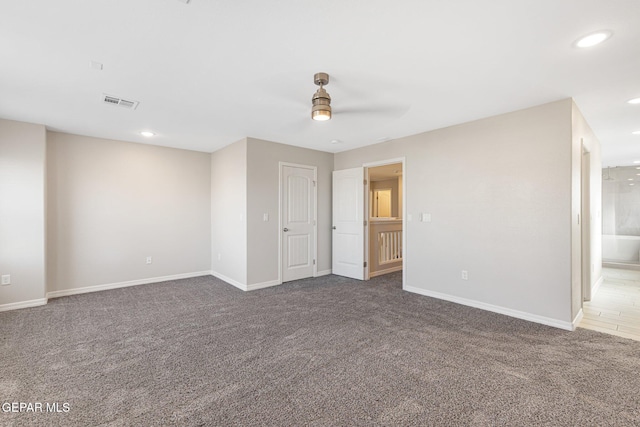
{"x": 366, "y": 201}
{"x": 576, "y": 320}
{"x": 97, "y": 288}
{"x": 385, "y": 271}
{"x": 229, "y": 280}
{"x": 263, "y": 285}
{"x": 23, "y": 304}
{"x": 315, "y": 218}
{"x": 385, "y": 162}
{"x": 493, "y": 308}
{"x": 596, "y": 287}
{"x": 323, "y": 273}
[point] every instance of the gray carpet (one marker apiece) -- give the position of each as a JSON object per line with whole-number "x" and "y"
{"x": 318, "y": 352}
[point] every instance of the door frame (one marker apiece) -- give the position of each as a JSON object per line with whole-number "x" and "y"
{"x": 367, "y": 187}
{"x": 281, "y": 165}
{"x": 585, "y": 226}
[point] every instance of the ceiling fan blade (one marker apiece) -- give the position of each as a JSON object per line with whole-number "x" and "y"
{"x": 391, "y": 111}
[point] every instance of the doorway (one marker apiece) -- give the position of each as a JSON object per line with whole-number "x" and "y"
{"x": 298, "y": 216}
{"x": 385, "y": 225}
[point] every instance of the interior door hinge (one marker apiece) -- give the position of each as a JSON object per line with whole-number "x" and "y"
{"x": 365, "y": 263}
{"x": 365, "y": 222}
{"x": 364, "y": 182}
{"x": 314, "y": 183}
{"x": 314, "y": 262}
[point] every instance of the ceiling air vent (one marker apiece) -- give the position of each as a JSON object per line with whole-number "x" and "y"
{"x": 114, "y": 100}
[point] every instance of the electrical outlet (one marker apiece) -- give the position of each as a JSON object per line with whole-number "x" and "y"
{"x": 6, "y": 279}
{"x": 149, "y": 260}
{"x": 265, "y": 217}
{"x": 464, "y": 275}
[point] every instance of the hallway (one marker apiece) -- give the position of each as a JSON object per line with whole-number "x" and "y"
{"x": 615, "y": 309}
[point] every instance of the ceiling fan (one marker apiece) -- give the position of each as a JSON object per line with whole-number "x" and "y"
{"x": 321, "y": 103}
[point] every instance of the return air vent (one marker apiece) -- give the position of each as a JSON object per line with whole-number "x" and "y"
{"x": 114, "y": 100}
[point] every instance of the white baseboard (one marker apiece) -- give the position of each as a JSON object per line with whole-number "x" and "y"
{"x": 596, "y": 287}
{"x": 385, "y": 271}
{"x": 323, "y": 273}
{"x": 96, "y": 288}
{"x": 493, "y": 308}
{"x": 577, "y": 320}
{"x": 263, "y": 285}
{"x": 23, "y": 304}
{"x": 229, "y": 281}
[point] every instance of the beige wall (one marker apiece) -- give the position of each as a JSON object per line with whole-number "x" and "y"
{"x": 263, "y": 186}
{"x": 114, "y": 203}
{"x": 229, "y": 213}
{"x": 503, "y": 192}
{"x": 582, "y": 135}
{"x": 22, "y": 212}
{"x": 499, "y": 192}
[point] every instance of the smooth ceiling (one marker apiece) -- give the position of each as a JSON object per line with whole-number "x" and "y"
{"x": 210, "y": 72}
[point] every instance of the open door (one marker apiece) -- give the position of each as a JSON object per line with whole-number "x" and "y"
{"x": 348, "y": 223}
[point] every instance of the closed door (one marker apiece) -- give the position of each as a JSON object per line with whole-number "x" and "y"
{"x": 298, "y": 218}
{"x": 348, "y": 223}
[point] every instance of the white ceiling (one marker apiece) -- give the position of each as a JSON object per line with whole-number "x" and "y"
{"x": 209, "y": 73}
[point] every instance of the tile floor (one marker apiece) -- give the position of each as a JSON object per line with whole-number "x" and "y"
{"x": 615, "y": 309}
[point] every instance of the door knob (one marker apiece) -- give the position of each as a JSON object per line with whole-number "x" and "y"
{"x": 285, "y": 229}
{"x": 334, "y": 227}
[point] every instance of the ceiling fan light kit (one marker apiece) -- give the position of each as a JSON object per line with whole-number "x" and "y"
{"x": 321, "y": 101}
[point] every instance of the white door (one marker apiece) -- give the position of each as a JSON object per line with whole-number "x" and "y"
{"x": 298, "y": 222}
{"x": 348, "y": 223}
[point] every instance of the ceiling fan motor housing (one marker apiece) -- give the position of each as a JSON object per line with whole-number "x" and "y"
{"x": 321, "y": 101}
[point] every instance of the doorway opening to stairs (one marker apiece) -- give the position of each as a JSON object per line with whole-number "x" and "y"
{"x": 385, "y": 224}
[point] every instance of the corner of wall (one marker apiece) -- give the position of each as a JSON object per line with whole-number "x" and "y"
{"x": 229, "y": 213}
{"x": 23, "y": 220}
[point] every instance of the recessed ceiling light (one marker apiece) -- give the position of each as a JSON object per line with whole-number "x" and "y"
{"x": 147, "y": 134}
{"x": 634, "y": 101}
{"x": 636, "y": 162}
{"x": 629, "y": 179}
{"x": 631, "y": 184}
{"x": 636, "y": 132}
{"x": 593, "y": 38}
{"x": 336, "y": 141}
